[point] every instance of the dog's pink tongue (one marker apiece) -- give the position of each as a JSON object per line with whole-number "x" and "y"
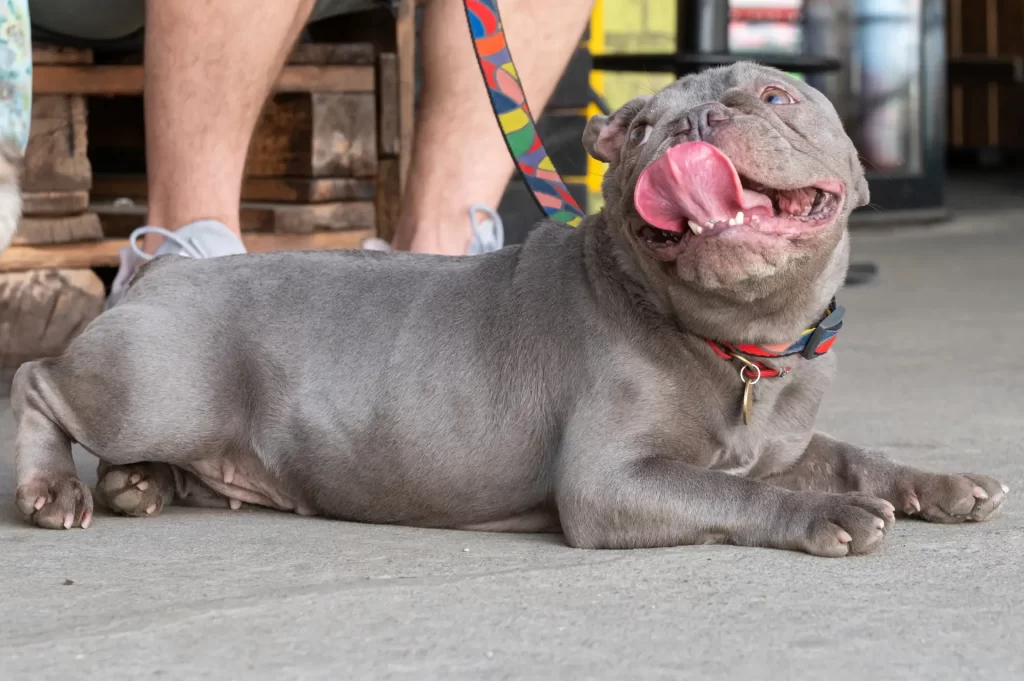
{"x": 692, "y": 181}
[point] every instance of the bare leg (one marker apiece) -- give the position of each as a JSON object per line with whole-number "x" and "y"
{"x": 833, "y": 466}
{"x": 459, "y": 157}
{"x": 209, "y": 68}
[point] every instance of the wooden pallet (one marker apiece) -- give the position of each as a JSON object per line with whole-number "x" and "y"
{"x": 45, "y": 304}
{"x": 104, "y": 252}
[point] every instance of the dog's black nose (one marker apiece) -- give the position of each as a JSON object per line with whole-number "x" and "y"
{"x": 697, "y": 123}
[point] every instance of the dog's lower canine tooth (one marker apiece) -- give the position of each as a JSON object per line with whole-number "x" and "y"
{"x": 739, "y": 217}
{"x": 694, "y": 227}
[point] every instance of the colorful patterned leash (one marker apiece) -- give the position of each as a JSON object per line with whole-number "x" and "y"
{"x": 513, "y": 113}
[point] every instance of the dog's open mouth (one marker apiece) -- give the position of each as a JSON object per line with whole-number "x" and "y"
{"x": 694, "y": 190}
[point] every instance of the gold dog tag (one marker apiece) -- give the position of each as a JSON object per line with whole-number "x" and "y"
{"x": 748, "y": 401}
{"x": 749, "y": 379}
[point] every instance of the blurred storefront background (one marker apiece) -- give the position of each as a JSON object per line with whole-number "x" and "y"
{"x": 889, "y": 89}
{"x": 921, "y": 85}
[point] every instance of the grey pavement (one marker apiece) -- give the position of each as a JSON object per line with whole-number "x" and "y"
{"x": 931, "y": 369}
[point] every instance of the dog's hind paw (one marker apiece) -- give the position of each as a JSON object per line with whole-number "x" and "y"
{"x": 55, "y": 502}
{"x": 138, "y": 489}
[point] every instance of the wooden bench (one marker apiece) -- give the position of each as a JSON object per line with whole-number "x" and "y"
{"x": 325, "y": 170}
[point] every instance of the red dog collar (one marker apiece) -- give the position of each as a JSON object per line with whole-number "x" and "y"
{"x": 813, "y": 342}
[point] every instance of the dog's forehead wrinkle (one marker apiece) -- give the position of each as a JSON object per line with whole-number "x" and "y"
{"x": 725, "y": 82}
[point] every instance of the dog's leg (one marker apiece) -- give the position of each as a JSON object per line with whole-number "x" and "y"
{"x": 830, "y": 465}
{"x": 612, "y": 498}
{"x": 49, "y": 491}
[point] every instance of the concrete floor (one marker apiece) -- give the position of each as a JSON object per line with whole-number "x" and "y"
{"x": 931, "y": 370}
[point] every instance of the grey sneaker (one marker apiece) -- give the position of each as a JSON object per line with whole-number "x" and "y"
{"x": 199, "y": 239}
{"x": 488, "y": 234}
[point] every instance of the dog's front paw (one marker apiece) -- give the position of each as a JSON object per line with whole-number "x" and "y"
{"x": 834, "y": 525}
{"x": 941, "y": 498}
{"x": 55, "y": 501}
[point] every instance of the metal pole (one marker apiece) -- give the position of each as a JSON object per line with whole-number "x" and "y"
{"x": 702, "y": 26}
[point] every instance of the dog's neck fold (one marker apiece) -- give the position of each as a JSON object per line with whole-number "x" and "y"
{"x": 774, "y": 314}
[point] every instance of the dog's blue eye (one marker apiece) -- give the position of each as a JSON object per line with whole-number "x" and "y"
{"x": 775, "y": 95}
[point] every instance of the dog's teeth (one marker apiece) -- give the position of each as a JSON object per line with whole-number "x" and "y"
{"x": 732, "y": 222}
{"x": 235, "y": 504}
{"x": 710, "y": 224}
{"x": 694, "y": 227}
{"x": 739, "y": 218}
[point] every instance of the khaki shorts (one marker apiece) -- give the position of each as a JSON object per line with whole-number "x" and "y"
{"x": 103, "y": 20}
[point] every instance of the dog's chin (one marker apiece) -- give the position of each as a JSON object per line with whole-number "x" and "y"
{"x": 727, "y": 256}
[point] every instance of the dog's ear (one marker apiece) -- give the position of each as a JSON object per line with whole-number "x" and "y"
{"x": 605, "y": 135}
{"x": 861, "y": 193}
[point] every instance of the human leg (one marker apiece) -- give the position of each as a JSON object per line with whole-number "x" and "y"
{"x": 459, "y": 157}
{"x": 209, "y": 68}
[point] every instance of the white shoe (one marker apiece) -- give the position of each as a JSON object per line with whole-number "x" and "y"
{"x": 488, "y": 233}
{"x": 375, "y": 244}
{"x": 199, "y": 239}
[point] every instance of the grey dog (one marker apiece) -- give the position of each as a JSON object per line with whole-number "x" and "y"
{"x": 566, "y": 384}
